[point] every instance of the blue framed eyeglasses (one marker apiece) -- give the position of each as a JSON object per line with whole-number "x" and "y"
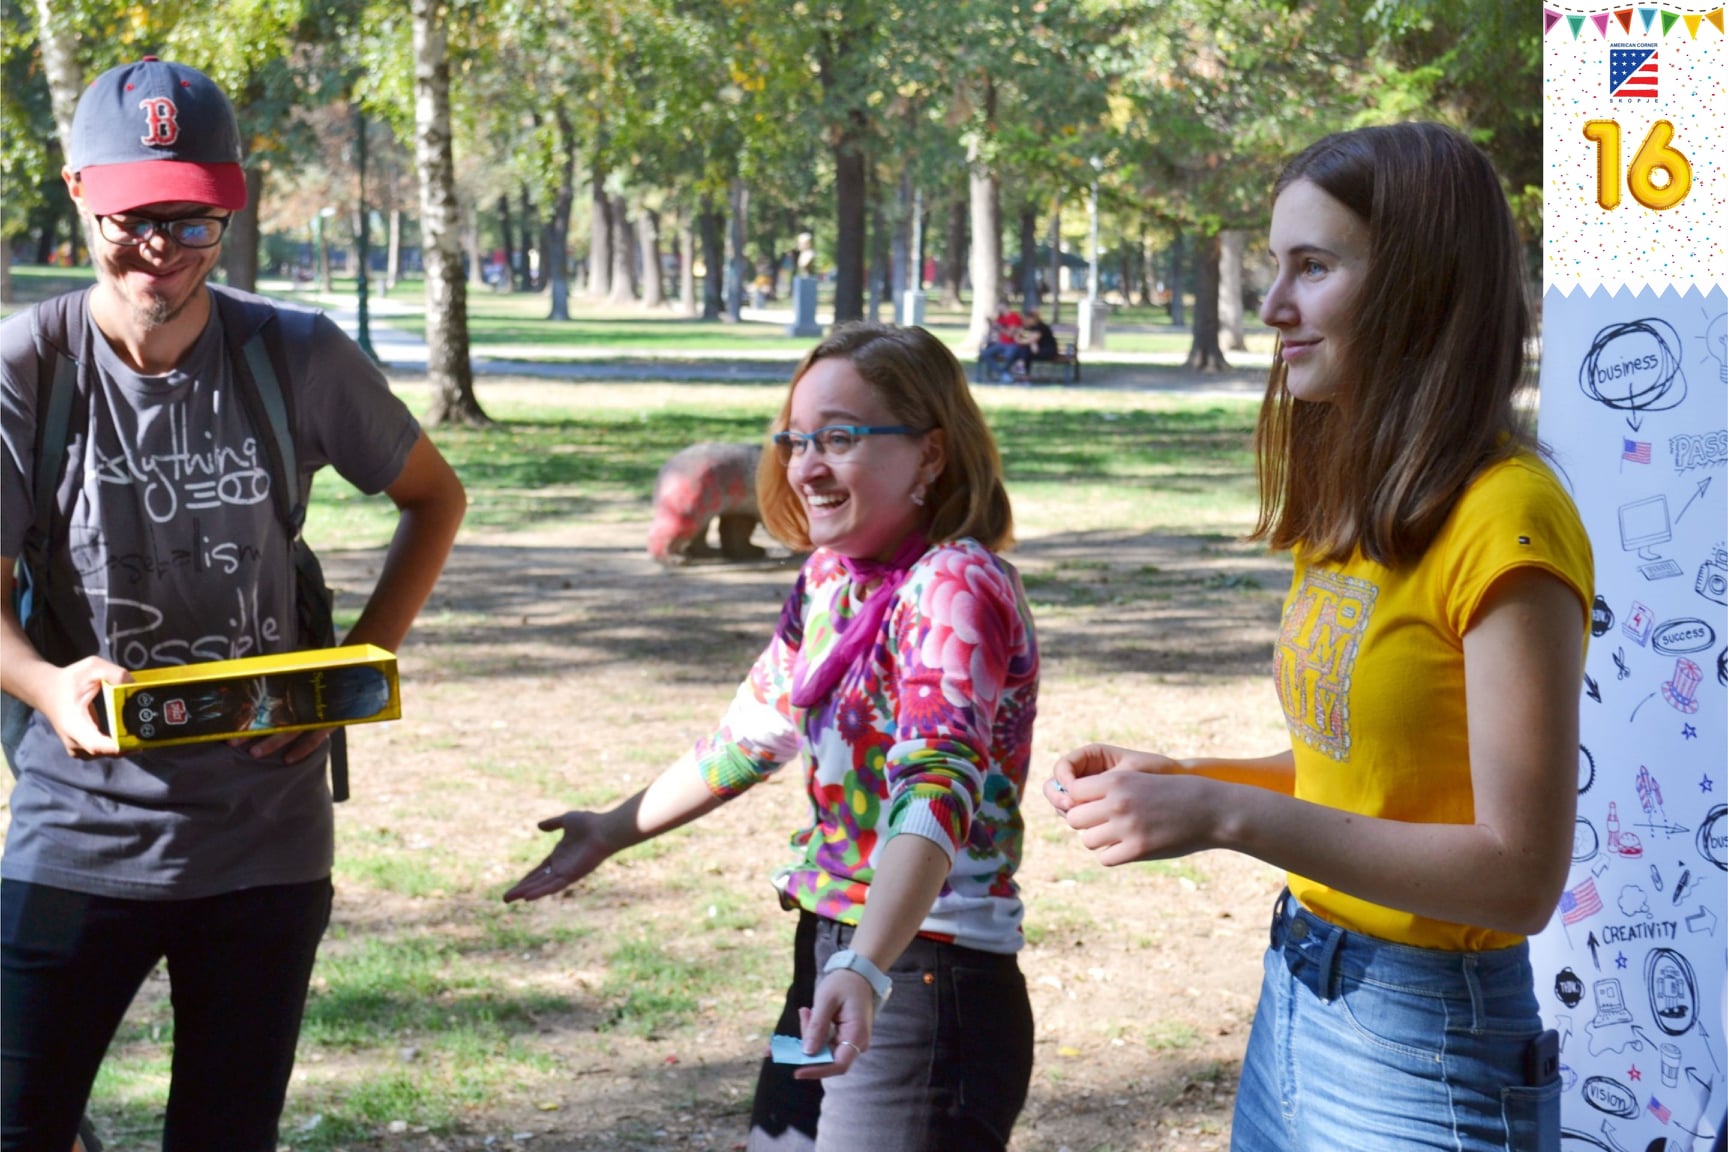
{"x": 835, "y": 439}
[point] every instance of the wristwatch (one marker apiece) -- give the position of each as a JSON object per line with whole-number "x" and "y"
{"x": 850, "y": 961}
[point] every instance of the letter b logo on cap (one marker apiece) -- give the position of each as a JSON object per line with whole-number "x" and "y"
{"x": 160, "y": 118}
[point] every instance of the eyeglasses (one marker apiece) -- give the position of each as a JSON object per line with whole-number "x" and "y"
{"x": 187, "y": 231}
{"x": 834, "y": 440}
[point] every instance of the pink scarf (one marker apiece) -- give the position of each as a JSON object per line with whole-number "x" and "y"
{"x": 857, "y": 635}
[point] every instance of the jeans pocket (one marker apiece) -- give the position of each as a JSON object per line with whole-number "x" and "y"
{"x": 1406, "y": 1026}
{"x": 993, "y": 1022}
{"x": 1532, "y": 1117}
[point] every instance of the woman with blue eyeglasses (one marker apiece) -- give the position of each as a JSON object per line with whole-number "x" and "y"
{"x": 905, "y": 670}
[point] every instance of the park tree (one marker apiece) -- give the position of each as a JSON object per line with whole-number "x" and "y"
{"x": 1208, "y": 119}
{"x": 447, "y": 362}
{"x": 1031, "y": 79}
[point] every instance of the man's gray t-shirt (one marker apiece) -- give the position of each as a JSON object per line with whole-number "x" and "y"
{"x": 176, "y": 554}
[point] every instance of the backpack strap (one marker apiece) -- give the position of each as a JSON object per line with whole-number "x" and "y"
{"x": 258, "y": 357}
{"x": 58, "y": 334}
{"x": 58, "y": 329}
{"x": 259, "y": 361}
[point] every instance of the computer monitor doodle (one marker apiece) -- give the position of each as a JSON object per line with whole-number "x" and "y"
{"x": 1643, "y": 524}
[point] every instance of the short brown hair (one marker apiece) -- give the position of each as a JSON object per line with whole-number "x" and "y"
{"x": 925, "y": 387}
{"x": 1433, "y": 362}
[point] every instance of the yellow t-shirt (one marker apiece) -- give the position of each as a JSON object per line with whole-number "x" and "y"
{"x": 1370, "y": 672}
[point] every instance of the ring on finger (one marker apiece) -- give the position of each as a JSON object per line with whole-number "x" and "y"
{"x": 849, "y": 1044}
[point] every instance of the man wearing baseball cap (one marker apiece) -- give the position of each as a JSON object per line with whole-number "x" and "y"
{"x": 167, "y": 547}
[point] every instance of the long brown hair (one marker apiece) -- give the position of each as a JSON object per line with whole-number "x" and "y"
{"x": 1430, "y": 367}
{"x": 925, "y": 387}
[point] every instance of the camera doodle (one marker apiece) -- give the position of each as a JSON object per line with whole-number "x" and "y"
{"x": 1712, "y": 582}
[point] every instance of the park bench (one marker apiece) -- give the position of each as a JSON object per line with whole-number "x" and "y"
{"x": 1065, "y": 367}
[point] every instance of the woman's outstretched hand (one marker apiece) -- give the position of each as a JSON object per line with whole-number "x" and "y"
{"x": 582, "y": 849}
{"x": 1129, "y": 805}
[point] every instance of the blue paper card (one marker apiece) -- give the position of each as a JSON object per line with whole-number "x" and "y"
{"x": 790, "y": 1050}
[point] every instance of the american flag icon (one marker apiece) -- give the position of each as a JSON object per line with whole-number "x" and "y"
{"x": 1632, "y": 72}
{"x": 1580, "y": 902}
{"x": 1637, "y": 451}
{"x": 1659, "y": 1110}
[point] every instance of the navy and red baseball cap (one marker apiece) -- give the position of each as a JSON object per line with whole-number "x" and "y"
{"x": 154, "y": 132}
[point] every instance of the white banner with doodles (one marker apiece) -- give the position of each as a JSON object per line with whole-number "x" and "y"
{"x": 1631, "y": 970}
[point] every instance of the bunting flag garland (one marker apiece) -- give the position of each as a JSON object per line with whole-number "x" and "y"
{"x": 1603, "y": 21}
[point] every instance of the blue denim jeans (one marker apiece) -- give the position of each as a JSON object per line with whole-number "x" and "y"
{"x": 949, "y": 1063}
{"x": 1363, "y": 1044}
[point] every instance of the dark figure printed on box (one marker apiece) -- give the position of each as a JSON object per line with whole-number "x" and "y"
{"x": 163, "y": 538}
{"x": 260, "y": 702}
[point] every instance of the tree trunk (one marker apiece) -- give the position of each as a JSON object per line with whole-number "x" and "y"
{"x": 447, "y": 364}
{"x": 507, "y": 234}
{"x": 648, "y": 235}
{"x": 1029, "y": 258}
{"x": 686, "y": 264}
{"x": 240, "y": 253}
{"x": 57, "y": 41}
{"x": 1176, "y": 281}
{"x": 530, "y": 274}
{"x": 623, "y": 258}
{"x": 1234, "y": 242}
{"x": 471, "y": 245}
{"x": 738, "y": 265}
{"x": 880, "y": 248}
{"x": 1055, "y": 316}
{"x": 1205, "y": 355}
{"x": 1148, "y": 270}
{"x": 985, "y": 196}
{"x": 713, "y": 259}
{"x": 849, "y": 216}
{"x": 393, "y": 258}
{"x": 954, "y": 258}
{"x": 558, "y": 234}
{"x": 599, "y": 236}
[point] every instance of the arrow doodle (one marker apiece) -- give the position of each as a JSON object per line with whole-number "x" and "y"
{"x": 1664, "y": 828}
{"x": 1702, "y": 920}
{"x": 1703, "y": 487}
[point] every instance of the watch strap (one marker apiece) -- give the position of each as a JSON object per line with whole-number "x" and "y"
{"x": 851, "y": 961}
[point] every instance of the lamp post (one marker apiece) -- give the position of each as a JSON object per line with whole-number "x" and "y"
{"x": 1092, "y": 226}
{"x": 1092, "y": 309}
{"x": 912, "y": 287}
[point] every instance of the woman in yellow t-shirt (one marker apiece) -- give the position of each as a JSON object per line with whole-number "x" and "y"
{"x": 1428, "y": 665}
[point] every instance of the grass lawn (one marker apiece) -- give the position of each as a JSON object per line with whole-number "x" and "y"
{"x": 1075, "y": 459}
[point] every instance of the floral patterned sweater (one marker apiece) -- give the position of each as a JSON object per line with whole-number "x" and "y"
{"x": 930, "y": 735}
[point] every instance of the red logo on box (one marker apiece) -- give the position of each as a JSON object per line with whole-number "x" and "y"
{"x": 174, "y": 712}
